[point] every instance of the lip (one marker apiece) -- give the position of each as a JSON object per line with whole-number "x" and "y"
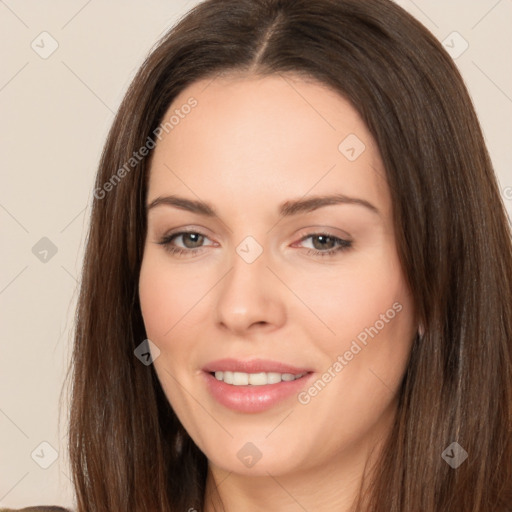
{"x": 253, "y": 366}
{"x": 253, "y": 399}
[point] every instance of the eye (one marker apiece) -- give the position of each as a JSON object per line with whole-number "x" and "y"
{"x": 192, "y": 242}
{"x": 325, "y": 244}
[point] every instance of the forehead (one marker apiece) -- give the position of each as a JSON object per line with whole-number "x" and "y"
{"x": 275, "y": 137}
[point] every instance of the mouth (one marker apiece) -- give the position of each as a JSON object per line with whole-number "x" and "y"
{"x": 254, "y": 386}
{"x": 255, "y": 379}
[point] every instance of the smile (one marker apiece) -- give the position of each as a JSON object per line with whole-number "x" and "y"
{"x": 255, "y": 379}
{"x": 254, "y": 386}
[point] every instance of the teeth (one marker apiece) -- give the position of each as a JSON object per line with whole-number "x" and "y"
{"x": 255, "y": 379}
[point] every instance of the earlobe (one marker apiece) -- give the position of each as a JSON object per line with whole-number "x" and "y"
{"x": 421, "y": 330}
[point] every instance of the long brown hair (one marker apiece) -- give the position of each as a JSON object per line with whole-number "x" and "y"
{"x": 452, "y": 236}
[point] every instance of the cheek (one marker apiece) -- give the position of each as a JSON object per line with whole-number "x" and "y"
{"x": 155, "y": 298}
{"x": 373, "y": 317}
{"x": 365, "y": 294}
{"x": 166, "y": 296}
{"x": 371, "y": 312}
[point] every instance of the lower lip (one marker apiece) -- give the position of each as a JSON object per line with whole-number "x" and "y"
{"x": 252, "y": 399}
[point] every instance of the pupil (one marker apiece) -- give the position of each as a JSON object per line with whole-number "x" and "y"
{"x": 197, "y": 237}
{"x": 324, "y": 238}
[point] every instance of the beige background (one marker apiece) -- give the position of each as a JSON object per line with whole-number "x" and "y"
{"x": 55, "y": 113}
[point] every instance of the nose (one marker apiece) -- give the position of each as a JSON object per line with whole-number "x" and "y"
{"x": 250, "y": 297}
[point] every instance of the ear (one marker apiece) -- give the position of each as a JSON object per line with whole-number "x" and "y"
{"x": 421, "y": 330}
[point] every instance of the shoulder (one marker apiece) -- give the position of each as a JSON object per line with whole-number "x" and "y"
{"x": 35, "y": 509}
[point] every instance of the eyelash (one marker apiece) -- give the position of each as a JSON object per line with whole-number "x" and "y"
{"x": 343, "y": 245}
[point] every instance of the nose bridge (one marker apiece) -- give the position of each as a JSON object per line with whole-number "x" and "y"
{"x": 247, "y": 296}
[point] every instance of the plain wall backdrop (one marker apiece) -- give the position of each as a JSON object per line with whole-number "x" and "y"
{"x": 65, "y": 68}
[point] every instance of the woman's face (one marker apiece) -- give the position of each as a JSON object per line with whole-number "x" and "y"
{"x": 288, "y": 283}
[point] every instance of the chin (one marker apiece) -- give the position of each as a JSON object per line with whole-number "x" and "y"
{"x": 256, "y": 458}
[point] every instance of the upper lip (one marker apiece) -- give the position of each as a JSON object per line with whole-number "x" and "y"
{"x": 252, "y": 366}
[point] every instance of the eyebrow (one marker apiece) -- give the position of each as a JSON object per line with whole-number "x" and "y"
{"x": 286, "y": 209}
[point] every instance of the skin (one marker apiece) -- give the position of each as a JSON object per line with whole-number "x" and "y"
{"x": 249, "y": 145}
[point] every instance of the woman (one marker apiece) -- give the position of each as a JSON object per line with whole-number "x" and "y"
{"x": 297, "y": 287}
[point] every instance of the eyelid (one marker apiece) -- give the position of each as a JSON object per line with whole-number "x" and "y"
{"x": 172, "y": 235}
{"x": 324, "y": 233}
{"x": 303, "y": 234}
{"x": 324, "y": 230}
{"x": 188, "y": 229}
{"x": 341, "y": 244}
